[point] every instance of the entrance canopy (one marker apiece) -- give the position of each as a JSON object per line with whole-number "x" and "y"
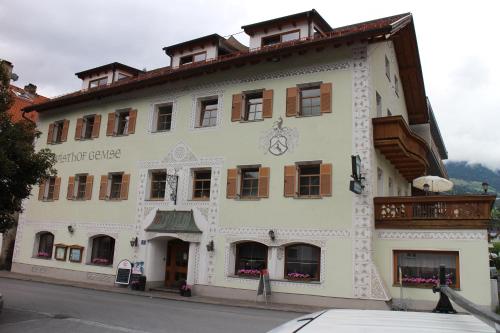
{"x": 174, "y": 221}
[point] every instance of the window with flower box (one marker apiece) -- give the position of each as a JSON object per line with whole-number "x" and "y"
{"x": 45, "y": 244}
{"x": 103, "y": 250}
{"x": 302, "y": 262}
{"x": 421, "y": 268}
{"x": 251, "y": 258}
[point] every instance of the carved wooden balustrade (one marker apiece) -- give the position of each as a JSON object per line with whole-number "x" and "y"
{"x": 434, "y": 212}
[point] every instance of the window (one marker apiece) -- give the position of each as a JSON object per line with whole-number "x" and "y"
{"x": 379, "y": 104}
{"x": 158, "y": 183}
{"x": 208, "y": 113}
{"x": 58, "y": 131}
{"x": 317, "y": 32}
{"x": 250, "y": 183}
{"x": 80, "y": 186}
{"x": 310, "y": 101}
{"x": 387, "y": 69}
{"x": 115, "y": 185}
{"x": 121, "y": 76}
{"x": 88, "y": 126}
{"x": 163, "y": 117}
{"x": 280, "y": 38}
{"x": 309, "y": 180}
{"x": 98, "y": 82}
{"x": 302, "y": 262}
{"x": 122, "y": 122}
{"x": 45, "y": 245}
{"x": 421, "y": 268}
{"x": 103, "y": 250}
{"x": 50, "y": 188}
{"x": 396, "y": 85}
{"x": 251, "y": 258}
{"x": 253, "y": 106}
{"x": 201, "y": 184}
{"x": 202, "y": 56}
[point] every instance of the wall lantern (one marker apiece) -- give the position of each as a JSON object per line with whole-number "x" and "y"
{"x": 272, "y": 235}
{"x": 485, "y": 186}
{"x": 210, "y": 246}
{"x": 71, "y": 229}
{"x": 134, "y": 242}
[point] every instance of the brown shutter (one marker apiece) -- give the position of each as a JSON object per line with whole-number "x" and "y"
{"x": 64, "y": 136}
{"x": 111, "y": 124}
{"x": 291, "y": 101}
{"x": 232, "y": 183}
{"x": 264, "y": 182}
{"x": 132, "y": 118}
{"x": 41, "y": 189}
{"x": 71, "y": 188}
{"x": 103, "y": 187}
{"x": 326, "y": 98}
{"x": 88, "y": 187}
{"x": 236, "y": 108}
{"x": 290, "y": 176}
{"x": 50, "y": 133}
{"x": 79, "y": 127}
{"x": 325, "y": 182}
{"x": 57, "y": 188}
{"x": 125, "y": 185}
{"x": 97, "y": 126}
{"x": 267, "y": 104}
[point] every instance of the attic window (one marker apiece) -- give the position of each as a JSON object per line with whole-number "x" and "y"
{"x": 281, "y": 38}
{"x": 122, "y": 76}
{"x": 202, "y": 56}
{"x": 98, "y": 82}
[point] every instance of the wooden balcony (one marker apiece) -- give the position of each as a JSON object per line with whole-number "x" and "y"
{"x": 434, "y": 212}
{"x": 405, "y": 150}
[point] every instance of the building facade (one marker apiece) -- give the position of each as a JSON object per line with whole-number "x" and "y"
{"x": 234, "y": 159}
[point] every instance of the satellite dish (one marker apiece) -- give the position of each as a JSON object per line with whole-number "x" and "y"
{"x": 14, "y": 77}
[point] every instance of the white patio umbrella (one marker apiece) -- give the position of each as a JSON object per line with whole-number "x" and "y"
{"x": 436, "y": 184}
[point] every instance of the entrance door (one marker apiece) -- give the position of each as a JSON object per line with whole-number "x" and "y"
{"x": 177, "y": 262}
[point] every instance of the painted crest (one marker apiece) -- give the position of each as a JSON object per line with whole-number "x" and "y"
{"x": 278, "y": 140}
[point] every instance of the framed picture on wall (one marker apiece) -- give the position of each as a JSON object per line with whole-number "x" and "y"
{"x": 60, "y": 253}
{"x": 75, "y": 253}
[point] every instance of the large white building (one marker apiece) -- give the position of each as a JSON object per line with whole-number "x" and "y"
{"x": 235, "y": 158}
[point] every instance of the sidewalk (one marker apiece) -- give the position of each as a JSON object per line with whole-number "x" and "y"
{"x": 300, "y": 309}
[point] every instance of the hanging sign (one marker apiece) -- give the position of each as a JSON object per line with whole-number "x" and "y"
{"x": 355, "y": 185}
{"x": 123, "y": 272}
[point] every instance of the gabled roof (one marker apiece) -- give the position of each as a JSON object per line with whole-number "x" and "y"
{"x": 108, "y": 67}
{"x": 21, "y": 99}
{"x": 215, "y": 39}
{"x": 310, "y": 14}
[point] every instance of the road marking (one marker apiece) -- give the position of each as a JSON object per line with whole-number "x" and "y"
{"x": 101, "y": 325}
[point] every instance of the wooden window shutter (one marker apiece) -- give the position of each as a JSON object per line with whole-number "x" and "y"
{"x": 103, "y": 187}
{"x": 64, "y": 136}
{"x": 326, "y": 97}
{"x": 236, "y": 107}
{"x": 325, "y": 182}
{"x": 88, "y": 187}
{"x": 57, "y": 188}
{"x": 41, "y": 190}
{"x": 110, "y": 129}
{"x": 232, "y": 183}
{"x": 79, "y": 127}
{"x": 50, "y": 133}
{"x": 264, "y": 173}
{"x": 71, "y": 188}
{"x": 291, "y": 101}
{"x": 125, "y": 186}
{"x": 132, "y": 119}
{"x": 267, "y": 103}
{"x": 290, "y": 176}
{"x": 97, "y": 126}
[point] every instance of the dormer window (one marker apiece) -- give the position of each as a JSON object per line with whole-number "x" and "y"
{"x": 122, "y": 76}
{"x": 281, "y": 38}
{"x": 98, "y": 82}
{"x": 202, "y": 56}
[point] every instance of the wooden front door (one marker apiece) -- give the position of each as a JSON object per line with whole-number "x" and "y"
{"x": 177, "y": 262}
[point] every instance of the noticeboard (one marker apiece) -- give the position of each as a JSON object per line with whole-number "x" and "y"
{"x": 264, "y": 287}
{"x": 123, "y": 272}
{"x": 355, "y": 187}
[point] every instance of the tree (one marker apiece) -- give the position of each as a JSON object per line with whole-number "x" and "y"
{"x": 21, "y": 166}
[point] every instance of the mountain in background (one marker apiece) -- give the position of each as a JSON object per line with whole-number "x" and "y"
{"x": 469, "y": 177}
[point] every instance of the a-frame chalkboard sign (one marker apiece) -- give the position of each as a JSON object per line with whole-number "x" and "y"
{"x": 264, "y": 287}
{"x": 123, "y": 272}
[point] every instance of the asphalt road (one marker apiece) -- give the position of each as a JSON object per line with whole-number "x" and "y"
{"x": 37, "y": 307}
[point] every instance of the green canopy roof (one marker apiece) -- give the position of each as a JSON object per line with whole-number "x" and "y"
{"x": 173, "y": 221}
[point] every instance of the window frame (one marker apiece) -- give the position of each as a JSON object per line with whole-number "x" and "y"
{"x": 110, "y": 185}
{"x": 280, "y": 35}
{"x": 247, "y": 105}
{"x": 98, "y": 80}
{"x": 237, "y": 257}
{"x": 203, "y": 102}
{"x": 77, "y": 184}
{"x": 150, "y": 192}
{"x": 118, "y": 114}
{"x": 58, "y": 127}
{"x": 122, "y": 76}
{"x": 193, "y": 56}
{"x": 156, "y": 118}
{"x": 318, "y": 269}
{"x": 49, "y": 189}
{"x": 194, "y": 181}
{"x": 241, "y": 174}
{"x": 309, "y": 86}
{"x": 298, "y": 175}
{"x": 85, "y": 127}
{"x": 395, "y": 273}
{"x": 39, "y": 238}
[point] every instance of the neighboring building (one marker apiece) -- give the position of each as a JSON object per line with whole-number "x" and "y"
{"x": 233, "y": 159}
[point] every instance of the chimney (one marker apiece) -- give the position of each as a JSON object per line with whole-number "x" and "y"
{"x": 7, "y": 65}
{"x": 30, "y": 88}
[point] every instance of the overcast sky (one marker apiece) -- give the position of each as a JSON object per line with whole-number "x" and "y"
{"x": 51, "y": 40}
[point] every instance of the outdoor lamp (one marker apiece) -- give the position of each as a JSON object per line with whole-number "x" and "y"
{"x": 210, "y": 246}
{"x": 71, "y": 229}
{"x": 485, "y": 187}
{"x": 134, "y": 242}
{"x": 272, "y": 235}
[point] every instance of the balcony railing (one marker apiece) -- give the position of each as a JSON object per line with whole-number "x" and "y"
{"x": 434, "y": 212}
